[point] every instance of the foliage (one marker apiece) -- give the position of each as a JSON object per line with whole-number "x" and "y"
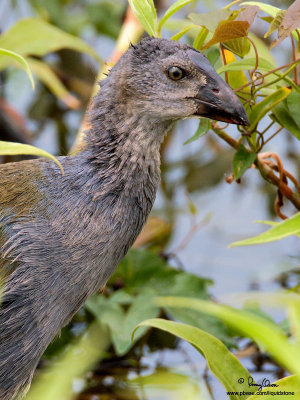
{"x": 224, "y": 365}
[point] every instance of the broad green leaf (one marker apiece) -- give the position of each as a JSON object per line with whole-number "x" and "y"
{"x": 222, "y": 363}
{"x": 178, "y": 35}
{"x": 267, "y": 8}
{"x": 13, "y": 149}
{"x": 242, "y": 160}
{"x": 146, "y": 14}
{"x": 239, "y": 46}
{"x": 288, "y": 384}
{"x": 48, "y": 77}
{"x": 267, "y": 104}
{"x": 265, "y": 333}
{"x": 211, "y": 19}
{"x": 121, "y": 322}
{"x": 203, "y": 127}
{"x": 246, "y": 64}
{"x": 288, "y": 227}
{"x": 228, "y": 30}
{"x": 172, "y": 10}
{"x": 293, "y": 102}
{"x": 286, "y": 119}
{"x": 20, "y": 60}
{"x": 33, "y": 36}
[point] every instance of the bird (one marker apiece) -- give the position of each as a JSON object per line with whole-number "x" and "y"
{"x": 62, "y": 236}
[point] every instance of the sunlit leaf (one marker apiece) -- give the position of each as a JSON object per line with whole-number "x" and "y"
{"x": 264, "y": 106}
{"x": 235, "y": 78}
{"x": 13, "y": 149}
{"x": 20, "y": 60}
{"x": 200, "y": 38}
{"x": 172, "y": 10}
{"x": 228, "y": 30}
{"x": 33, "y": 36}
{"x": 242, "y": 160}
{"x": 178, "y": 35}
{"x": 146, "y": 14}
{"x": 288, "y": 227}
{"x": 223, "y": 364}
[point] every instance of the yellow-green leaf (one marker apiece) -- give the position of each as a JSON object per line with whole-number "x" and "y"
{"x": 12, "y": 149}
{"x": 146, "y": 14}
{"x": 263, "y": 107}
{"x": 172, "y": 10}
{"x": 223, "y": 364}
{"x": 21, "y": 60}
{"x": 281, "y": 230}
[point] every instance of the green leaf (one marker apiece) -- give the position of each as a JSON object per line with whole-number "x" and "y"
{"x": 239, "y": 46}
{"x": 211, "y": 19}
{"x": 247, "y": 64}
{"x": 267, "y": 104}
{"x": 33, "y": 36}
{"x": 49, "y": 79}
{"x": 266, "y": 334}
{"x": 146, "y": 14}
{"x": 288, "y": 227}
{"x": 172, "y": 10}
{"x": 200, "y": 38}
{"x": 242, "y": 160}
{"x": 178, "y": 35}
{"x": 20, "y": 60}
{"x": 286, "y": 119}
{"x": 13, "y": 149}
{"x": 287, "y": 384}
{"x": 222, "y": 363}
{"x": 293, "y": 101}
{"x": 121, "y": 322}
{"x": 203, "y": 127}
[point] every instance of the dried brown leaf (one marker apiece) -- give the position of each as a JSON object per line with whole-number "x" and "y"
{"x": 248, "y": 14}
{"x": 228, "y": 30}
{"x": 290, "y": 22}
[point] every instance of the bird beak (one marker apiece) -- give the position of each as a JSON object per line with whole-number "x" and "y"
{"x": 215, "y": 99}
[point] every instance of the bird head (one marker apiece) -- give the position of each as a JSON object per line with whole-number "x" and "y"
{"x": 170, "y": 81}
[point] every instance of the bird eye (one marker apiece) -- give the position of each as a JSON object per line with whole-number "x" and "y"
{"x": 176, "y": 73}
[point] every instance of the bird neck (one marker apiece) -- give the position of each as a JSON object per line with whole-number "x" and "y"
{"x": 123, "y": 142}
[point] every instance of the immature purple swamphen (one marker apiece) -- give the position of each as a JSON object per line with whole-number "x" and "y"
{"x": 61, "y": 237}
